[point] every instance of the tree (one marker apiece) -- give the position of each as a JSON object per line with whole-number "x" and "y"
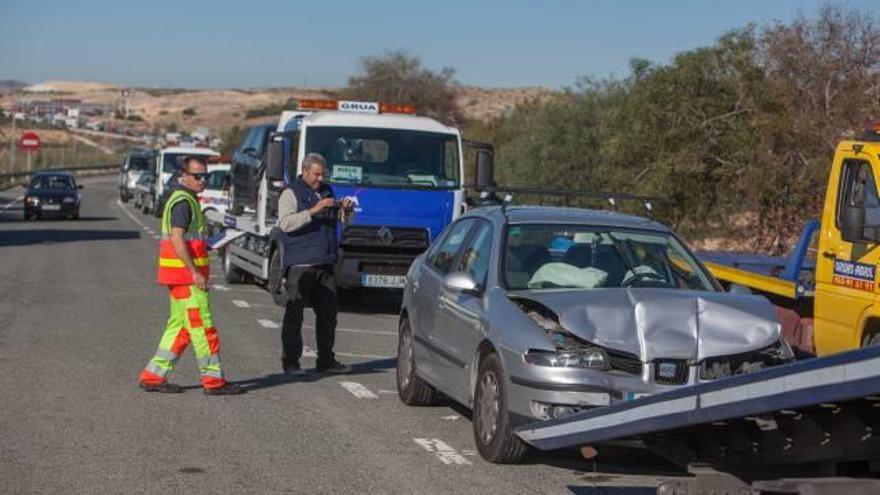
{"x": 398, "y": 77}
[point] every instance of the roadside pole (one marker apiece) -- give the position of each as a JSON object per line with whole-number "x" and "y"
{"x": 12, "y": 146}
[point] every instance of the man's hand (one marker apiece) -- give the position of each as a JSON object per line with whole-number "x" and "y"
{"x": 200, "y": 280}
{"x": 321, "y": 206}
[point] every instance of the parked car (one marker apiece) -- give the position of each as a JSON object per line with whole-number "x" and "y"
{"x": 52, "y": 194}
{"x": 144, "y": 190}
{"x": 134, "y": 162}
{"x": 537, "y": 313}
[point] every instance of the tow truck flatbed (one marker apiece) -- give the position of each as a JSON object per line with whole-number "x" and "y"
{"x": 821, "y": 411}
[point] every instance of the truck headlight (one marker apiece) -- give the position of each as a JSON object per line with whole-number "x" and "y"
{"x": 33, "y": 200}
{"x": 591, "y": 358}
{"x": 69, "y": 199}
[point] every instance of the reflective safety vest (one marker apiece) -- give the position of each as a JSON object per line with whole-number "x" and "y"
{"x": 172, "y": 271}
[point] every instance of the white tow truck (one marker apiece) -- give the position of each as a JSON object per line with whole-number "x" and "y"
{"x": 405, "y": 172}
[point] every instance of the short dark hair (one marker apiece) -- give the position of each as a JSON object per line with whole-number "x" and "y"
{"x": 187, "y": 160}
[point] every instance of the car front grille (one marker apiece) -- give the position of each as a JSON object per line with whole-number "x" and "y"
{"x": 626, "y": 363}
{"x": 380, "y": 268}
{"x": 390, "y": 239}
{"x": 670, "y": 371}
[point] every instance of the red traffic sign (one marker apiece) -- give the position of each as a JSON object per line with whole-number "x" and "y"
{"x": 29, "y": 142}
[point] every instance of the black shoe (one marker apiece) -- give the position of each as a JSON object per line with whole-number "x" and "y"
{"x": 163, "y": 388}
{"x": 294, "y": 370}
{"x": 334, "y": 367}
{"x": 228, "y": 389}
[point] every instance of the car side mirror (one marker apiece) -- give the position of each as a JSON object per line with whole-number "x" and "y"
{"x": 461, "y": 282}
{"x": 275, "y": 160}
{"x": 251, "y": 152}
{"x": 485, "y": 169}
{"x": 852, "y": 224}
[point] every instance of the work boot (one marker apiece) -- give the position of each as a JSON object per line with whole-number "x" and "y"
{"x": 294, "y": 370}
{"x": 334, "y": 367}
{"x": 162, "y": 388}
{"x": 227, "y": 389}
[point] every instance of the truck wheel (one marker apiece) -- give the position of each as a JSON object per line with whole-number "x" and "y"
{"x": 412, "y": 390}
{"x": 275, "y": 284}
{"x": 231, "y": 274}
{"x": 493, "y": 432}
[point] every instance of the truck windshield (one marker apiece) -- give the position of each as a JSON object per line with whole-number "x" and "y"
{"x": 542, "y": 256}
{"x": 137, "y": 163}
{"x": 386, "y": 157}
{"x": 172, "y": 162}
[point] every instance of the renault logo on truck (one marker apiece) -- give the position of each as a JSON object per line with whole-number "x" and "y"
{"x": 359, "y": 106}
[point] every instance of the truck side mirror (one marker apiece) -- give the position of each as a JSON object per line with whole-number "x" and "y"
{"x": 852, "y": 224}
{"x": 485, "y": 169}
{"x": 275, "y": 160}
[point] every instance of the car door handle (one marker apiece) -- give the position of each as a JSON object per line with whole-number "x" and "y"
{"x": 829, "y": 254}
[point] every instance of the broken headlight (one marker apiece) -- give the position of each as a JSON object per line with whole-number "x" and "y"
{"x": 591, "y": 358}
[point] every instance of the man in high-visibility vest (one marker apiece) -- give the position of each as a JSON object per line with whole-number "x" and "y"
{"x": 184, "y": 269}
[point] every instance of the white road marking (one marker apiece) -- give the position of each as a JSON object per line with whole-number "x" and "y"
{"x": 358, "y": 390}
{"x": 468, "y": 452}
{"x": 451, "y": 417}
{"x": 240, "y": 303}
{"x": 220, "y": 287}
{"x": 443, "y": 452}
{"x": 381, "y": 391}
{"x": 267, "y": 323}
{"x": 8, "y": 206}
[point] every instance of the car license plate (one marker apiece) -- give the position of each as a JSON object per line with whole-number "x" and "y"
{"x": 386, "y": 281}
{"x": 51, "y": 207}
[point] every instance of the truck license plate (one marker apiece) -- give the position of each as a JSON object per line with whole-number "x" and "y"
{"x": 51, "y": 207}
{"x": 386, "y": 281}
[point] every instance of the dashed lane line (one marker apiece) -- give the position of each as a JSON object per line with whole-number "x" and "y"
{"x": 309, "y": 352}
{"x": 451, "y": 417}
{"x": 444, "y": 453}
{"x": 267, "y": 323}
{"x": 220, "y": 287}
{"x": 357, "y": 330}
{"x": 240, "y": 303}
{"x": 358, "y": 390}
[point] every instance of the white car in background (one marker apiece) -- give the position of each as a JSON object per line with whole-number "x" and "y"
{"x": 215, "y": 198}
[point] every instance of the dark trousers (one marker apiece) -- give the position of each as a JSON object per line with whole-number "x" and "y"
{"x": 315, "y": 285}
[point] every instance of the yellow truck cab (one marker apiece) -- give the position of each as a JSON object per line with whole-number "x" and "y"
{"x": 846, "y": 312}
{"x": 841, "y": 311}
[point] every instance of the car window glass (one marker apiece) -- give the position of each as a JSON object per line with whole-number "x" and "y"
{"x": 444, "y": 256}
{"x": 475, "y": 258}
{"x": 858, "y": 186}
{"x": 216, "y": 180}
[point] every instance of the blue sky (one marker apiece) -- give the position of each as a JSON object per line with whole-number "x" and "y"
{"x": 197, "y": 43}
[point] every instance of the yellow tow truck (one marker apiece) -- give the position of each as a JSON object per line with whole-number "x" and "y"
{"x": 835, "y": 308}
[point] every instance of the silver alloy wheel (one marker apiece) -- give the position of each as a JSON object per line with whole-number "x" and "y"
{"x": 404, "y": 360}
{"x": 489, "y": 407}
{"x": 227, "y": 261}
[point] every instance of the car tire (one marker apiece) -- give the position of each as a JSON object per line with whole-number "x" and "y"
{"x": 411, "y": 389}
{"x": 275, "y": 284}
{"x": 231, "y": 274}
{"x": 493, "y": 431}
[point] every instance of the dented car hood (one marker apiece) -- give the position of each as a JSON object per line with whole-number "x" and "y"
{"x": 663, "y": 323}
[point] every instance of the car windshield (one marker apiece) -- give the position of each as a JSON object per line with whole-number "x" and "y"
{"x": 172, "y": 162}
{"x": 137, "y": 163}
{"x": 53, "y": 182}
{"x": 387, "y": 157}
{"x": 542, "y": 256}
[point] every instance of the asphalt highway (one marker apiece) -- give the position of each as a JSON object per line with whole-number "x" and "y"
{"x": 80, "y": 315}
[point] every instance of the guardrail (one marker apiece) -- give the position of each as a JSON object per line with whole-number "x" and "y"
{"x": 21, "y": 178}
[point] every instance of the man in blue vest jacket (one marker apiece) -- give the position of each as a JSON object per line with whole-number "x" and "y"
{"x": 307, "y": 213}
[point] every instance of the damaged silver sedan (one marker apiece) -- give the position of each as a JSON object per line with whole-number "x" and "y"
{"x": 531, "y": 313}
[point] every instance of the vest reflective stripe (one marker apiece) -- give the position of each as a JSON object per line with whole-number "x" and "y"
{"x": 172, "y": 270}
{"x": 157, "y": 370}
{"x": 212, "y": 360}
{"x": 178, "y": 263}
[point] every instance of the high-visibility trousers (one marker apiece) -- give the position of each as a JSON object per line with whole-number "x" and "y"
{"x": 190, "y": 321}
